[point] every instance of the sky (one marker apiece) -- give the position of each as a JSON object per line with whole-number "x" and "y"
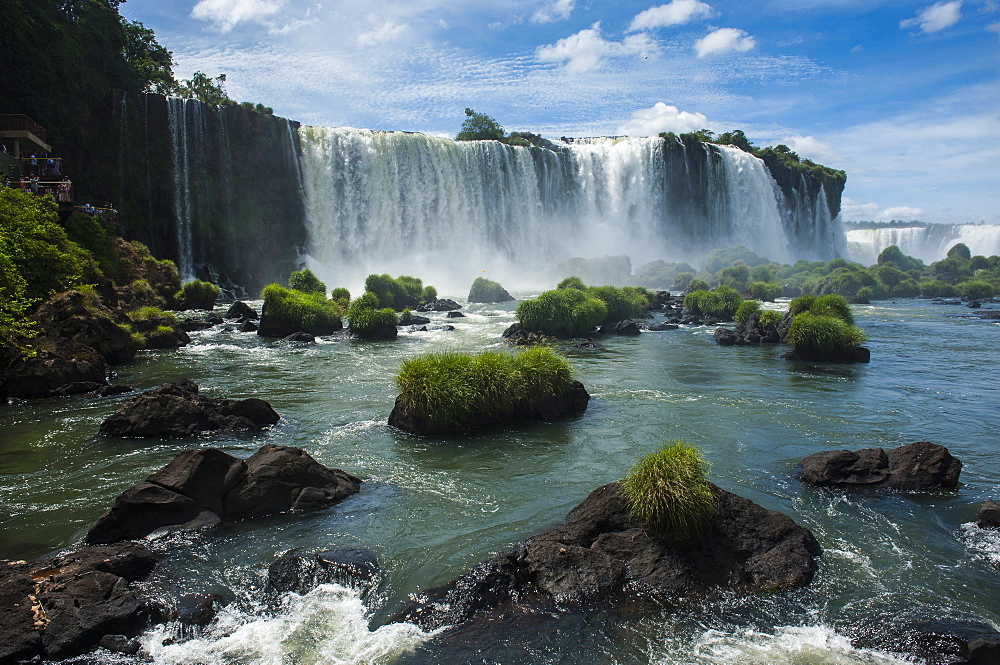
{"x": 903, "y": 96}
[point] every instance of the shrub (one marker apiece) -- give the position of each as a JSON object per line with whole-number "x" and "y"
{"x": 682, "y": 279}
{"x": 197, "y": 294}
{"x": 746, "y": 309}
{"x": 486, "y": 290}
{"x": 801, "y": 304}
{"x": 451, "y": 389}
{"x": 721, "y": 303}
{"x": 405, "y": 317}
{"x": 342, "y": 297}
{"x": 305, "y": 281}
{"x": 403, "y": 291}
{"x": 669, "y": 493}
{"x": 865, "y": 293}
{"x": 288, "y": 310}
{"x": 766, "y": 291}
{"x": 932, "y": 288}
{"x": 832, "y": 305}
{"x": 735, "y": 276}
{"x": 364, "y": 320}
{"x": 976, "y": 290}
{"x": 572, "y": 283}
{"x": 769, "y": 318}
{"x": 697, "y": 285}
{"x": 150, "y": 313}
{"x": 823, "y": 334}
{"x": 622, "y": 303}
{"x": 429, "y": 294}
{"x": 566, "y": 312}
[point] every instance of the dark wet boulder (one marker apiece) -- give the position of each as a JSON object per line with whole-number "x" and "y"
{"x": 242, "y": 311}
{"x": 176, "y": 410}
{"x": 601, "y": 554}
{"x": 625, "y": 328}
{"x": 727, "y": 337}
{"x": 589, "y": 343}
{"x": 974, "y": 304}
{"x": 989, "y": 515}
{"x": 198, "y": 609}
{"x": 375, "y": 333}
{"x": 659, "y": 327}
{"x": 455, "y": 315}
{"x": 515, "y": 334}
{"x": 193, "y": 325}
{"x": 916, "y": 467}
{"x": 300, "y": 336}
{"x": 77, "y": 388}
{"x": 200, "y": 488}
{"x": 247, "y": 326}
{"x": 78, "y": 318}
{"x": 57, "y": 608}
{"x": 48, "y": 371}
{"x": 413, "y": 320}
{"x": 301, "y": 573}
{"x": 439, "y": 305}
{"x": 945, "y": 641}
{"x": 279, "y": 478}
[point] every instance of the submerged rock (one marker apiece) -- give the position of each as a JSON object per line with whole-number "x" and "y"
{"x": 515, "y": 334}
{"x": 301, "y": 336}
{"x": 176, "y": 410}
{"x": 855, "y": 354}
{"x": 302, "y": 573}
{"x": 57, "y": 608}
{"x": 916, "y": 467}
{"x": 600, "y": 553}
{"x": 625, "y": 328}
{"x": 989, "y": 515}
{"x": 201, "y": 488}
{"x": 242, "y": 311}
{"x": 439, "y": 305}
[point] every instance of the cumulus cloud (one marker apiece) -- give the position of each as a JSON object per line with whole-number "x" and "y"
{"x": 870, "y": 211}
{"x": 587, "y": 49}
{"x": 388, "y": 31}
{"x": 677, "y": 12}
{"x": 558, "y": 10}
{"x": 662, "y": 118}
{"x": 226, "y": 14}
{"x": 724, "y": 40}
{"x": 812, "y": 148}
{"x": 935, "y": 18}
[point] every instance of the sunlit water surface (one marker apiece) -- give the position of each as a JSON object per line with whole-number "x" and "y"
{"x": 431, "y": 508}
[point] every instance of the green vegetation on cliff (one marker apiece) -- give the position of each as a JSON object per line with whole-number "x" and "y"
{"x": 286, "y": 311}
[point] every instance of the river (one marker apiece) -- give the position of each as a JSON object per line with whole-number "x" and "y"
{"x": 431, "y": 508}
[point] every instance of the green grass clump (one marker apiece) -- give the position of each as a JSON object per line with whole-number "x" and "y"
{"x": 801, "y": 304}
{"x": 697, "y": 285}
{"x": 342, "y": 297}
{"x": 622, "y": 303}
{"x": 399, "y": 292}
{"x": 834, "y": 305}
{"x": 197, "y": 294}
{"x": 453, "y": 389}
{"x": 746, "y": 309}
{"x": 769, "y": 318}
{"x": 305, "y": 281}
{"x": 567, "y": 312}
{"x": 488, "y": 291}
{"x": 721, "y": 303}
{"x": 429, "y": 294}
{"x": 976, "y": 290}
{"x": 572, "y": 283}
{"x": 288, "y": 310}
{"x": 150, "y": 313}
{"x": 865, "y": 293}
{"x": 365, "y": 319}
{"x": 669, "y": 493}
{"x": 823, "y": 334}
{"x": 765, "y": 291}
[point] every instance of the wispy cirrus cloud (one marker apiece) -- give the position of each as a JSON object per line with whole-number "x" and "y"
{"x": 677, "y": 12}
{"x": 227, "y": 14}
{"x": 559, "y": 10}
{"x": 935, "y": 18}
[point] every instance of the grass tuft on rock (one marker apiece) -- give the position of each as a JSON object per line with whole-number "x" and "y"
{"x": 823, "y": 335}
{"x": 305, "y": 281}
{"x": 453, "y": 389}
{"x": 563, "y": 312}
{"x": 668, "y": 491}
{"x": 288, "y": 310}
{"x": 196, "y": 294}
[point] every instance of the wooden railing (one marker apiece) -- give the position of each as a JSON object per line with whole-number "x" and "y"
{"x": 21, "y": 122}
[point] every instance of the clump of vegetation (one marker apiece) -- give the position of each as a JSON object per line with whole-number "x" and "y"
{"x": 153, "y": 328}
{"x": 764, "y": 291}
{"x": 565, "y": 312}
{"x": 721, "y": 303}
{"x": 453, "y": 390}
{"x": 305, "y": 281}
{"x": 623, "y": 303}
{"x": 286, "y": 311}
{"x": 196, "y": 294}
{"x": 697, "y": 285}
{"x": 482, "y": 127}
{"x": 573, "y": 282}
{"x": 746, "y": 309}
{"x": 488, "y": 291}
{"x": 342, "y": 297}
{"x": 823, "y": 335}
{"x": 400, "y": 292}
{"x": 769, "y": 319}
{"x": 668, "y": 491}
{"x": 366, "y": 318}
{"x": 833, "y": 305}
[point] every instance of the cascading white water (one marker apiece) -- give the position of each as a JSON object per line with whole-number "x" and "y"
{"x": 447, "y": 210}
{"x": 928, "y": 243}
{"x": 180, "y": 159}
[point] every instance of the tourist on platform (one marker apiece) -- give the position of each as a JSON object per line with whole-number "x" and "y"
{"x": 89, "y": 209}
{"x": 33, "y": 184}
{"x": 34, "y": 164}
{"x": 57, "y": 167}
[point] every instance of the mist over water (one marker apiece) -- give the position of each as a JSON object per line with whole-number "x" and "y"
{"x": 449, "y": 211}
{"x": 928, "y": 243}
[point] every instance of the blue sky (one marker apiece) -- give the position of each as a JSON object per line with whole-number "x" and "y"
{"x": 904, "y": 96}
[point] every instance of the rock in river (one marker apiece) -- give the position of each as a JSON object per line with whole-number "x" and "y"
{"x": 916, "y": 467}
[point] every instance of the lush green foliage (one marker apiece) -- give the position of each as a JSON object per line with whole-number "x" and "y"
{"x": 976, "y": 290}
{"x": 697, "y": 285}
{"x": 572, "y": 283}
{"x": 567, "y": 312}
{"x": 429, "y": 294}
{"x": 452, "y": 389}
{"x": 312, "y": 313}
{"x": 305, "y": 281}
{"x": 668, "y": 491}
{"x": 769, "y": 318}
{"x": 342, "y": 297}
{"x": 486, "y": 290}
{"x": 823, "y": 334}
{"x": 400, "y": 292}
{"x": 365, "y": 316}
{"x": 480, "y": 127}
{"x": 746, "y": 309}
{"x": 197, "y": 294}
{"x": 721, "y": 303}
{"x": 623, "y": 303}
{"x": 766, "y": 291}
{"x": 832, "y": 305}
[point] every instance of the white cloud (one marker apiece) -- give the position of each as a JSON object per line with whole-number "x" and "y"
{"x": 724, "y": 40}
{"x": 226, "y": 14}
{"x": 558, "y": 10}
{"x": 662, "y": 118}
{"x": 857, "y": 211}
{"x": 388, "y": 31}
{"x": 677, "y": 12}
{"x": 587, "y": 49}
{"x": 812, "y": 148}
{"x": 902, "y": 212}
{"x": 994, "y": 27}
{"x": 935, "y": 18}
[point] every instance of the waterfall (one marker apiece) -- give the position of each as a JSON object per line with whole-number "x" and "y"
{"x": 928, "y": 243}
{"x": 441, "y": 209}
{"x": 181, "y": 163}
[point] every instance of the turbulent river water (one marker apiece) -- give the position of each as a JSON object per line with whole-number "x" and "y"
{"x": 431, "y": 508}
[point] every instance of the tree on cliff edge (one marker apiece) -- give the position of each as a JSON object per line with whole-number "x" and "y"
{"x": 480, "y": 127}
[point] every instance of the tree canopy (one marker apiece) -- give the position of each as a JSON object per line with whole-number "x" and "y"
{"x": 480, "y": 127}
